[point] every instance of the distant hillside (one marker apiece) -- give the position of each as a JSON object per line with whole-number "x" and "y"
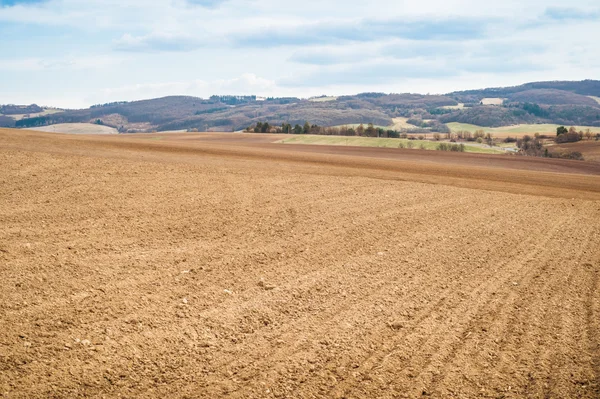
{"x": 559, "y": 102}
{"x": 491, "y": 116}
{"x": 567, "y": 103}
{"x": 179, "y": 112}
{"x": 584, "y": 88}
{"x": 6, "y": 121}
{"x": 405, "y": 101}
{"x": 552, "y": 97}
{"x": 11, "y": 113}
{"x": 12, "y": 109}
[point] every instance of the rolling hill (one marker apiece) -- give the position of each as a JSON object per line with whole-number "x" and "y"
{"x": 583, "y": 87}
{"x": 552, "y": 97}
{"x": 561, "y": 102}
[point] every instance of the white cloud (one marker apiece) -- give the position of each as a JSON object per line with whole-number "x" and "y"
{"x": 161, "y": 42}
{"x": 245, "y": 84}
{"x": 201, "y": 47}
{"x": 64, "y": 63}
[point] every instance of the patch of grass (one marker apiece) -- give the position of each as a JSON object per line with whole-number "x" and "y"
{"x": 482, "y": 150}
{"x": 492, "y": 101}
{"x": 377, "y": 142}
{"x": 506, "y": 145}
{"x": 459, "y": 106}
{"x": 398, "y": 124}
{"x": 402, "y": 123}
{"x": 323, "y": 99}
{"x": 517, "y": 130}
{"x": 18, "y": 117}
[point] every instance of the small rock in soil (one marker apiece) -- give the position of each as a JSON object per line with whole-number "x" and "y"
{"x": 264, "y": 285}
{"x": 396, "y": 325}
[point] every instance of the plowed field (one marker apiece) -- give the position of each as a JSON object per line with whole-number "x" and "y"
{"x": 209, "y": 266}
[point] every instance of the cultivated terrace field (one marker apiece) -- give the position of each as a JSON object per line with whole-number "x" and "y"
{"x": 229, "y": 266}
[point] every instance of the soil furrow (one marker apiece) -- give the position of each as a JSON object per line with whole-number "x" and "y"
{"x": 207, "y": 269}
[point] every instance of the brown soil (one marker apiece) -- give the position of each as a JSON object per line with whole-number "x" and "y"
{"x": 173, "y": 266}
{"x": 589, "y": 149}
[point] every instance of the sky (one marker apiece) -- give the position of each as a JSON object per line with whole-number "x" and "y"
{"x": 73, "y": 54}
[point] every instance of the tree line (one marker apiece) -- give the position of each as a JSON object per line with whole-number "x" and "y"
{"x": 361, "y": 130}
{"x": 571, "y": 135}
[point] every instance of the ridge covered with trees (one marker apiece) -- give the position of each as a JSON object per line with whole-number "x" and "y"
{"x": 563, "y": 103}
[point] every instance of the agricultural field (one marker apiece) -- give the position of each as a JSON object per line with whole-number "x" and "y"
{"x": 379, "y": 142}
{"x": 77, "y": 128}
{"x": 492, "y": 101}
{"x": 48, "y": 111}
{"x": 459, "y": 106}
{"x": 589, "y": 149}
{"x": 228, "y": 266}
{"x": 595, "y": 98}
{"x": 401, "y": 123}
{"x": 397, "y": 124}
{"x": 516, "y": 131}
{"x": 323, "y": 99}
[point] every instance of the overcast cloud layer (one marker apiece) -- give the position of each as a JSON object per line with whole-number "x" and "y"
{"x": 74, "y": 53}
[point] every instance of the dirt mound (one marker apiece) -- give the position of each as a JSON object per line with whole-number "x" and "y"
{"x": 176, "y": 267}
